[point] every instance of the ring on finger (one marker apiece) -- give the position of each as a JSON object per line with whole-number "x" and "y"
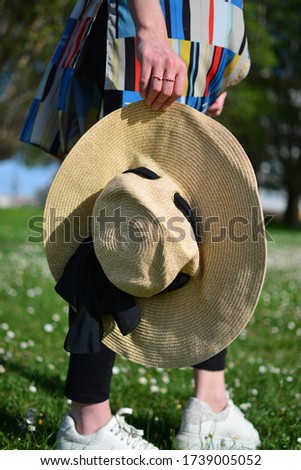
{"x": 167, "y": 79}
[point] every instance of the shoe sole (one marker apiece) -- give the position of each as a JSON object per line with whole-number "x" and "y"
{"x": 189, "y": 442}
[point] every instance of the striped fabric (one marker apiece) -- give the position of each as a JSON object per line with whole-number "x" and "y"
{"x": 209, "y": 35}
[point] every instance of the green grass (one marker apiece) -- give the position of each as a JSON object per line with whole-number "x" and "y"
{"x": 263, "y": 375}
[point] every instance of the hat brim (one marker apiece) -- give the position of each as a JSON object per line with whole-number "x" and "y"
{"x": 187, "y": 326}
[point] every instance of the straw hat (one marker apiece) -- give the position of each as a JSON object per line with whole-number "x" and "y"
{"x": 143, "y": 241}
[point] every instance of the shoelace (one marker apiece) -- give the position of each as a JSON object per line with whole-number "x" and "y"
{"x": 132, "y": 435}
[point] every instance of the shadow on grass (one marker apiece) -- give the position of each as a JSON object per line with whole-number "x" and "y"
{"x": 160, "y": 433}
{"x": 51, "y": 384}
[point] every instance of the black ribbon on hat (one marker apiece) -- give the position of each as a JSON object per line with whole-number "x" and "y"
{"x": 90, "y": 293}
{"x": 88, "y": 290}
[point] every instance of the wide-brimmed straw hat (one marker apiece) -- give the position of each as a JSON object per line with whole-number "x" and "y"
{"x": 181, "y": 234}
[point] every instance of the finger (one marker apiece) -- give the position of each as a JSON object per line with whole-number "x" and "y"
{"x": 145, "y": 76}
{"x": 178, "y": 90}
{"x": 217, "y": 107}
{"x": 213, "y": 111}
{"x": 167, "y": 91}
{"x": 155, "y": 86}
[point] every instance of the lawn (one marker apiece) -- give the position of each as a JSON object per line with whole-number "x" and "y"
{"x": 264, "y": 363}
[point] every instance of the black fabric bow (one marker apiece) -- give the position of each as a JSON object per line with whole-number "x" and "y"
{"x": 87, "y": 289}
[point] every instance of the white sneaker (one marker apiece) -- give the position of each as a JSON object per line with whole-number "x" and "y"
{"x": 116, "y": 434}
{"x": 201, "y": 428}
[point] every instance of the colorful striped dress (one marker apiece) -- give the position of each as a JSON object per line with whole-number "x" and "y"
{"x": 209, "y": 35}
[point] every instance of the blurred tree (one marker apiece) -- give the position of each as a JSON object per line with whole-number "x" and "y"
{"x": 29, "y": 31}
{"x": 284, "y": 125}
{"x": 248, "y": 103}
{"x": 264, "y": 111}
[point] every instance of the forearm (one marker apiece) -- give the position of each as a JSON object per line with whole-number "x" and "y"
{"x": 148, "y": 19}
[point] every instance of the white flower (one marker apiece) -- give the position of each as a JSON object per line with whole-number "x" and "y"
{"x": 275, "y": 370}
{"x": 116, "y": 370}
{"x": 243, "y": 335}
{"x": 33, "y": 292}
{"x": 251, "y": 360}
{"x": 289, "y": 378}
{"x": 10, "y": 334}
{"x": 299, "y": 440}
{"x": 291, "y": 325}
{"x": 285, "y": 302}
{"x": 48, "y": 328}
{"x": 143, "y": 380}
{"x": 30, "y": 293}
{"x": 141, "y": 370}
{"x": 23, "y": 345}
{"x": 56, "y": 317}
{"x": 254, "y": 392}
{"x": 262, "y": 369}
{"x": 30, "y": 310}
{"x": 39, "y": 359}
{"x": 32, "y": 388}
{"x": 2, "y": 369}
{"x": 154, "y": 388}
{"x": 4, "y": 326}
{"x": 245, "y": 406}
{"x": 237, "y": 382}
{"x": 298, "y": 332}
{"x": 12, "y": 292}
{"x": 165, "y": 379}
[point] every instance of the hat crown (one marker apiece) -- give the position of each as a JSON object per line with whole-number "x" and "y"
{"x": 141, "y": 239}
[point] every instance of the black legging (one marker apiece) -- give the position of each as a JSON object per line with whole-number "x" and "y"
{"x": 89, "y": 375}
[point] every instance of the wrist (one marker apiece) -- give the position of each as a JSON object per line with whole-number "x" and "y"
{"x": 151, "y": 32}
{"x": 148, "y": 19}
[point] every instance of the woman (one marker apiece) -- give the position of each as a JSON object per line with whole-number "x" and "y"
{"x": 111, "y": 54}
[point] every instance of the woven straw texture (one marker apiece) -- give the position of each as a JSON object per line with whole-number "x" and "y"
{"x": 214, "y": 175}
{"x": 143, "y": 254}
